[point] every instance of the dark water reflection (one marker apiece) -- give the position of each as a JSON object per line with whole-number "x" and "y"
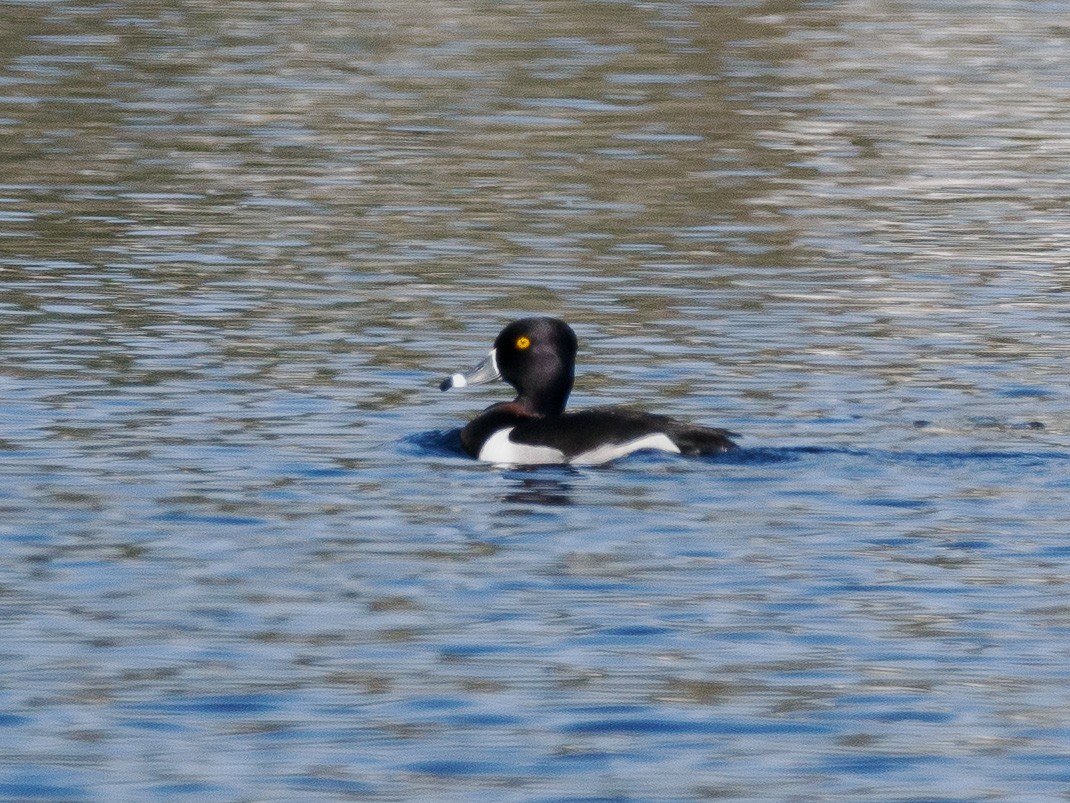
{"x": 243, "y": 557}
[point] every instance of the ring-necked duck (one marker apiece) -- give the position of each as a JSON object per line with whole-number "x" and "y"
{"x": 537, "y": 356}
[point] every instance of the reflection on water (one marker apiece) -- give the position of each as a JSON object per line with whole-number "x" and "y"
{"x": 244, "y": 557}
{"x": 537, "y": 490}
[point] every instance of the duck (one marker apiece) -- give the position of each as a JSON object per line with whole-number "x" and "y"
{"x": 537, "y": 356}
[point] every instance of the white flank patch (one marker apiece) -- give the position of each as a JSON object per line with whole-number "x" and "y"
{"x": 458, "y": 381}
{"x": 611, "y": 451}
{"x": 499, "y": 449}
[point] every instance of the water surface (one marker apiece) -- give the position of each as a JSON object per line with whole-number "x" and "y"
{"x": 243, "y": 558}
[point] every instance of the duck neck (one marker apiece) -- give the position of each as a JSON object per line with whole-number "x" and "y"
{"x": 548, "y": 402}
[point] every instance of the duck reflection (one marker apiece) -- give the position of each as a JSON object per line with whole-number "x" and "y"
{"x": 535, "y": 485}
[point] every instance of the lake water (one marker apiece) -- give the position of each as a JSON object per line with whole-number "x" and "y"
{"x": 242, "y": 556}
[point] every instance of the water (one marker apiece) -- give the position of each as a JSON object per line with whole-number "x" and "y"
{"x": 242, "y": 556}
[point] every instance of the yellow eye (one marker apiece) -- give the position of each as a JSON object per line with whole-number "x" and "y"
{"x": 522, "y": 342}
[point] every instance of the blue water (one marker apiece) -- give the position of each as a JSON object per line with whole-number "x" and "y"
{"x": 793, "y": 620}
{"x": 242, "y": 556}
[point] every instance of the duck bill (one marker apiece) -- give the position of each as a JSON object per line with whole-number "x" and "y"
{"x": 486, "y": 371}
